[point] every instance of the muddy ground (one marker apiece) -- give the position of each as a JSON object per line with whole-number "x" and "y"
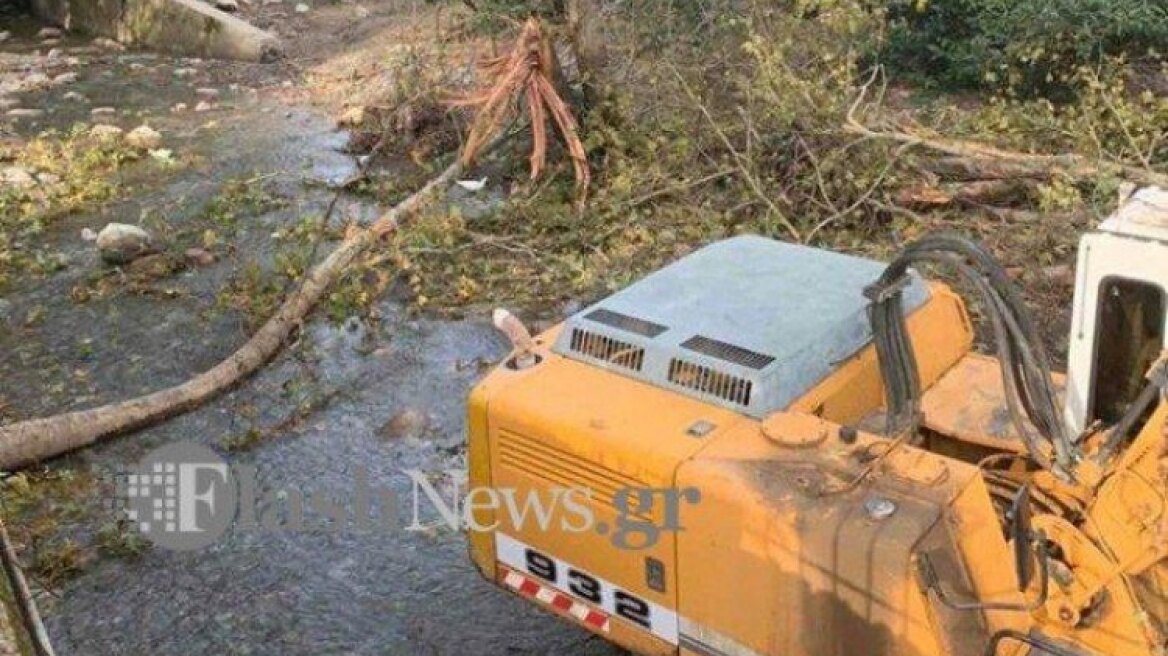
{"x": 86, "y": 333}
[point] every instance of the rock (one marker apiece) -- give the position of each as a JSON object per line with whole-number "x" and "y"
{"x": 119, "y": 243}
{"x": 362, "y": 12}
{"x": 35, "y": 81}
{"x": 352, "y": 117}
{"x": 407, "y": 423}
{"x": 186, "y": 72}
{"x": 55, "y": 53}
{"x": 65, "y": 78}
{"x": 204, "y": 106}
{"x": 17, "y": 177}
{"x": 208, "y": 93}
{"x": 48, "y": 178}
{"x": 108, "y": 44}
{"x": 49, "y": 33}
{"x": 87, "y": 234}
{"x": 227, "y": 5}
{"x": 5, "y": 35}
{"x": 199, "y": 256}
{"x": 105, "y": 132}
{"x": 73, "y": 96}
{"x": 21, "y": 112}
{"x": 302, "y": 8}
{"x": 179, "y": 107}
{"x": 103, "y": 111}
{"x": 144, "y": 137}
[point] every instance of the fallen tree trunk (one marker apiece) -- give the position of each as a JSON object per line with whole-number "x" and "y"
{"x": 1008, "y": 163}
{"x": 31, "y": 441}
{"x": 1021, "y": 164}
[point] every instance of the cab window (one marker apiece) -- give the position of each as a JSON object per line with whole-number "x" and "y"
{"x": 1129, "y": 337}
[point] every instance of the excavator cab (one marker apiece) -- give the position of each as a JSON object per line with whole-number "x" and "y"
{"x": 768, "y": 449}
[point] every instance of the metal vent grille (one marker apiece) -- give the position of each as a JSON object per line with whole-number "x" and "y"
{"x": 607, "y": 349}
{"x": 625, "y": 322}
{"x": 544, "y": 461}
{"x": 727, "y": 352}
{"x": 710, "y": 381}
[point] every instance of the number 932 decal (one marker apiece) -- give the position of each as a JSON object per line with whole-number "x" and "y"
{"x": 586, "y": 587}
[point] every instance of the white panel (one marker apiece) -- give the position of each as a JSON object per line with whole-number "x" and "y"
{"x": 1103, "y": 255}
{"x": 513, "y": 554}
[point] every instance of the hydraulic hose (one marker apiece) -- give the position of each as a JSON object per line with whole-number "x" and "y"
{"x": 1026, "y": 377}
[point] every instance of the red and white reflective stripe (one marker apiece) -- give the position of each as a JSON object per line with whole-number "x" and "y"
{"x": 557, "y": 600}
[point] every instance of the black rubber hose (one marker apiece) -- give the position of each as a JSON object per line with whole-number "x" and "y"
{"x": 1026, "y": 375}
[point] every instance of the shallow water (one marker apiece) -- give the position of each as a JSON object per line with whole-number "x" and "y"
{"x": 254, "y": 593}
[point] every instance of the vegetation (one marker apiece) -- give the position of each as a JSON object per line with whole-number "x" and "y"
{"x": 1026, "y": 47}
{"x": 804, "y": 121}
{"x": 68, "y": 171}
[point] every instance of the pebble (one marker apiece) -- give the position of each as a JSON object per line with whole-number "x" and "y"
{"x": 204, "y": 106}
{"x": 302, "y": 8}
{"x": 408, "y": 422}
{"x": 65, "y": 78}
{"x": 75, "y": 97}
{"x": 108, "y": 44}
{"x": 185, "y": 72}
{"x": 16, "y": 176}
{"x": 23, "y": 112}
{"x": 199, "y": 256}
{"x": 227, "y": 5}
{"x": 179, "y": 107}
{"x": 206, "y": 92}
{"x": 352, "y": 117}
{"x": 103, "y": 111}
{"x": 49, "y": 33}
{"x": 119, "y": 243}
{"x": 105, "y": 132}
{"x": 144, "y": 137}
{"x": 33, "y": 80}
{"x": 5, "y": 35}
{"x": 55, "y": 53}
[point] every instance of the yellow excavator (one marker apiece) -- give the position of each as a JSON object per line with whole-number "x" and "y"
{"x": 770, "y": 449}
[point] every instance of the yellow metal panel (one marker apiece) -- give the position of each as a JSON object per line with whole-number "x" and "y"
{"x": 941, "y": 335}
{"x": 782, "y": 565}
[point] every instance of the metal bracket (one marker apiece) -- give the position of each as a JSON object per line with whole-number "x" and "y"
{"x": 929, "y": 580}
{"x": 879, "y": 292}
